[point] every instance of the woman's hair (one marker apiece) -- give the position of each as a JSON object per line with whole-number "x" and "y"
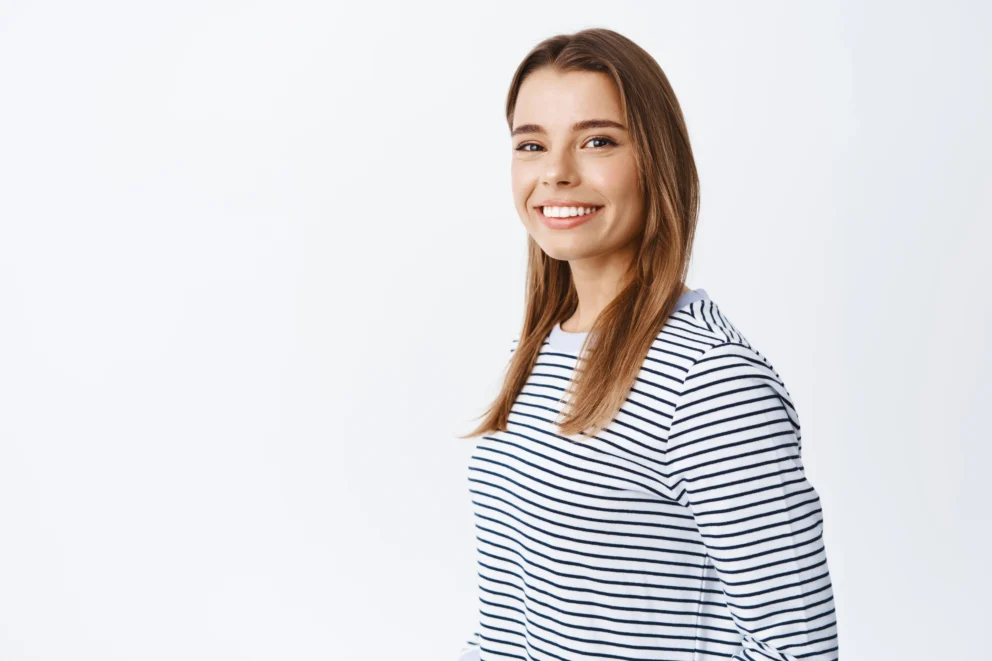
{"x": 624, "y": 331}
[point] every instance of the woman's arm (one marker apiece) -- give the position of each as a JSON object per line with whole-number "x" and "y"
{"x": 733, "y": 457}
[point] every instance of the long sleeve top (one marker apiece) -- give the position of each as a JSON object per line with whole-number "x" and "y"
{"x": 686, "y": 530}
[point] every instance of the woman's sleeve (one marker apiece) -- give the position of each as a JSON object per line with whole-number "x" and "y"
{"x": 733, "y": 457}
{"x": 470, "y": 652}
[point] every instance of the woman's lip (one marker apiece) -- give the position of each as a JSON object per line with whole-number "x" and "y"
{"x": 566, "y": 223}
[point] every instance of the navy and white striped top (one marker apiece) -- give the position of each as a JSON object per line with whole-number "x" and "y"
{"x": 686, "y": 530}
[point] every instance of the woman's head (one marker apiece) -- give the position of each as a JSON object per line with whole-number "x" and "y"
{"x": 648, "y": 190}
{"x": 572, "y": 150}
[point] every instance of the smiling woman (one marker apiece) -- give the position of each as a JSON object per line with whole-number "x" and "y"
{"x": 638, "y": 488}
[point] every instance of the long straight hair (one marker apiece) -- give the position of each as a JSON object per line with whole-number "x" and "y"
{"x": 622, "y": 334}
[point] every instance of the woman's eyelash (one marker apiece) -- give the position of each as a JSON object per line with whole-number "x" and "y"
{"x": 598, "y": 137}
{"x": 609, "y": 140}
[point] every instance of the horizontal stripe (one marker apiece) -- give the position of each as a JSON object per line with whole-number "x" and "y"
{"x": 686, "y": 530}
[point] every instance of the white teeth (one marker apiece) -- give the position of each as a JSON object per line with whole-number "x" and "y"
{"x": 565, "y": 212}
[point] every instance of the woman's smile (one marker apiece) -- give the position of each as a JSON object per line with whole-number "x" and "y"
{"x": 564, "y": 222}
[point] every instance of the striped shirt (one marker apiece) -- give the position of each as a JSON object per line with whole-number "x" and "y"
{"x": 685, "y": 531}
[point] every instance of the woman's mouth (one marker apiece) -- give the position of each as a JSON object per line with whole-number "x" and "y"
{"x": 566, "y": 222}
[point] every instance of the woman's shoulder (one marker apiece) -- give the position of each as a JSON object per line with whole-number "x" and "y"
{"x": 693, "y": 329}
{"x": 705, "y": 316}
{"x": 701, "y": 336}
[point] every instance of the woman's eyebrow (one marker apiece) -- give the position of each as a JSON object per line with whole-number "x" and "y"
{"x": 578, "y": 126}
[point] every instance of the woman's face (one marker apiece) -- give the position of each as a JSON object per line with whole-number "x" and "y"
{"x": 559, "y": 161}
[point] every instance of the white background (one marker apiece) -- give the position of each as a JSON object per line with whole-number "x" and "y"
{"x": 260, "y": 265}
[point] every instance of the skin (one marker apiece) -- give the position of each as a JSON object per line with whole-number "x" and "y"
{"x": 594, "y": 165}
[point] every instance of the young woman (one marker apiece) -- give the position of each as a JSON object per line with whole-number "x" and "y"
{"x": 638, "y": 490}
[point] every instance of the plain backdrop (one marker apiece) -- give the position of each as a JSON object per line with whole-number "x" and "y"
{"x": 260, "y": 267}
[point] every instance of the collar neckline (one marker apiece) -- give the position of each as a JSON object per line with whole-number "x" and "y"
{"x": 572, "y": 342}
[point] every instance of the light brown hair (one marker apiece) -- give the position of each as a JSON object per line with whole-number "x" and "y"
{"x": 626, "y": 328}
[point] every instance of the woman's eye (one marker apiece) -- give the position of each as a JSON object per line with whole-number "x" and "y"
{"x": 609, "y": 141}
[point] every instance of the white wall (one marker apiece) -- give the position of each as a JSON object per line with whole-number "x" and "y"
{"x": 259, "y": 265}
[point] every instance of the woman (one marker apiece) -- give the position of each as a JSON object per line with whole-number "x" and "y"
{"x": 638, "y": 490}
